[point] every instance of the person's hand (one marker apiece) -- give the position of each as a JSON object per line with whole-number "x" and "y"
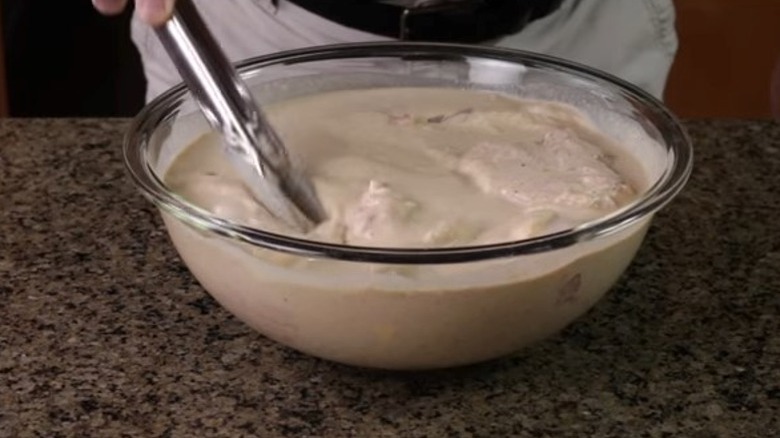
{"x": 154, "y": 12}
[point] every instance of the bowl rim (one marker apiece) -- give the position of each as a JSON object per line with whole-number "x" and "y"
{"x": 657, "y": 196}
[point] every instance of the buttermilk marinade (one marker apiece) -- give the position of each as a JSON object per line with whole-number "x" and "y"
{"x": 420, "y": 167}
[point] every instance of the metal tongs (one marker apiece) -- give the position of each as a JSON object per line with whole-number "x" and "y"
{"x": 251, "y": 144}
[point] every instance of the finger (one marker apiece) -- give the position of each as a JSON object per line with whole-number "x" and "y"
{"x": 154, "y": 12}
{"x": 110, "y": 7}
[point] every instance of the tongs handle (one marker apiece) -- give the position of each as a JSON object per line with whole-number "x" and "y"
{"x": 252, "y": 145}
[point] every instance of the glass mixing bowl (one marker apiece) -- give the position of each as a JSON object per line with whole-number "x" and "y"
{"x": 401, "y": 308}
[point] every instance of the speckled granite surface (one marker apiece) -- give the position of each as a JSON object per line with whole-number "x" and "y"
{"x": 104, "y": 333}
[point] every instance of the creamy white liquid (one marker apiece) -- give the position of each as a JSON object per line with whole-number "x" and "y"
{"x": 419, "y": 168}
{"x": 428, "y": 168}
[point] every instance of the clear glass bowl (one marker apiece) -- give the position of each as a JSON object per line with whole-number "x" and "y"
{"x": 400, "y": 308}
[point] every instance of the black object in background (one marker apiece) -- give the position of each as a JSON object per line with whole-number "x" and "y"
{"x": 63, "y": 59}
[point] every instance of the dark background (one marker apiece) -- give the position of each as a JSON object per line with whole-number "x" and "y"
{"x": 63, "y": 59}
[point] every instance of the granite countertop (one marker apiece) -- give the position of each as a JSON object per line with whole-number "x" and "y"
{"x": 103, "y": 332}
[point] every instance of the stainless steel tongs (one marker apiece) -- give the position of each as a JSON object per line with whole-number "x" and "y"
{"x": 251, "y": 144}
